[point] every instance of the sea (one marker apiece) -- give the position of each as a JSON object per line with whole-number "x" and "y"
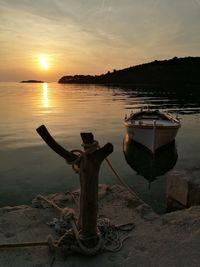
{"x": 29, "y": 167}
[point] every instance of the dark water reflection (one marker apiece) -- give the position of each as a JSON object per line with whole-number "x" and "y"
{"x": 179, "y": 103}
{"x": 150, "y": 166}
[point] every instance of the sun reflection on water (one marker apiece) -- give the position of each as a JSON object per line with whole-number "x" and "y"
{"x": 45, "y": 95}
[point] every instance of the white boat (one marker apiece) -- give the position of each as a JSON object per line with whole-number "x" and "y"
{"x": 152, "y": 129}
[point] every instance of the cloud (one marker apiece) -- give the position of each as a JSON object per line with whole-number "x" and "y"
{"x": 51, "y": 10}
{"x": 197, "y": 2}
{"x": 111, "y": 33}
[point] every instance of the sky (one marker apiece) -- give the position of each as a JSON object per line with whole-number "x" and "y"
{"x": 47, "y": 39}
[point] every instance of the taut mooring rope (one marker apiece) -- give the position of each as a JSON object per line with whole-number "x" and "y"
{"x": 89, "y": 148}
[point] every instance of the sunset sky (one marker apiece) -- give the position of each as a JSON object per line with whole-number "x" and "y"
{"x": 46, "y": 39}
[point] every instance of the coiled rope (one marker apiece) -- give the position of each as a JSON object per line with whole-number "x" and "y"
{"x": 108, "y": 237}
{"x": 108, "y": 234}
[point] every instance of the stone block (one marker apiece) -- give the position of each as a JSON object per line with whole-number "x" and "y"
{"x": 184, "y": 187}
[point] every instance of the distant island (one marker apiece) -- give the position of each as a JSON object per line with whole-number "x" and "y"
{"x": 175, "y": 73}
{"x": 32, "y": 81}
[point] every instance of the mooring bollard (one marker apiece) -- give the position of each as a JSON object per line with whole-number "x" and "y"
{"x": 88, "y": 164}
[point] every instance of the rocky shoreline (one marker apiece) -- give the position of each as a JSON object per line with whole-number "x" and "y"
{"x": 171, "y": 239}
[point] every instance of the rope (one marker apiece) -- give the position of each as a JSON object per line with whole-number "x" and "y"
{"x": 79, "y": 163}
{"x": 90, "y": 148}
{"x": 52, "y": 203}
{"x": 70, "y": 218}
{"x": 23, "y": 244}
{"x": 83, "y": 249}
{"x": 119, "y": 178}
{"x": 72, "y": 195}
{"x": 108, "y": 235}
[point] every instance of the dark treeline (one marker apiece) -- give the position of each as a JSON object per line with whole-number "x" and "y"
{"x": 32, "y": 81}
{"x": 166, "y": 74}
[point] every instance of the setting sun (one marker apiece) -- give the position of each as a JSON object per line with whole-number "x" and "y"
{"x": 44, "y": 62}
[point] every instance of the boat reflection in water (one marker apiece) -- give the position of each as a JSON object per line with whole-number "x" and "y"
{"x": 149, "y": 165}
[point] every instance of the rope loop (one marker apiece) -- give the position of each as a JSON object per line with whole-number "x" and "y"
{"x": 91, "y": 147}
{"x": 79, "y": 163}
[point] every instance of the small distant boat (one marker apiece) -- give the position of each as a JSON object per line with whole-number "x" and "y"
{"x": 152, "y": 129}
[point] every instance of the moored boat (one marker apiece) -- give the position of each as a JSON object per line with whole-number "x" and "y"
{"x": 152, "y": 129}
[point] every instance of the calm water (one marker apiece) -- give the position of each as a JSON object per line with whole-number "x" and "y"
{"x": 29, "y": 167}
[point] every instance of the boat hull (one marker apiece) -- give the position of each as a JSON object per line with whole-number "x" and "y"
{"x": 152, "y": 137}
